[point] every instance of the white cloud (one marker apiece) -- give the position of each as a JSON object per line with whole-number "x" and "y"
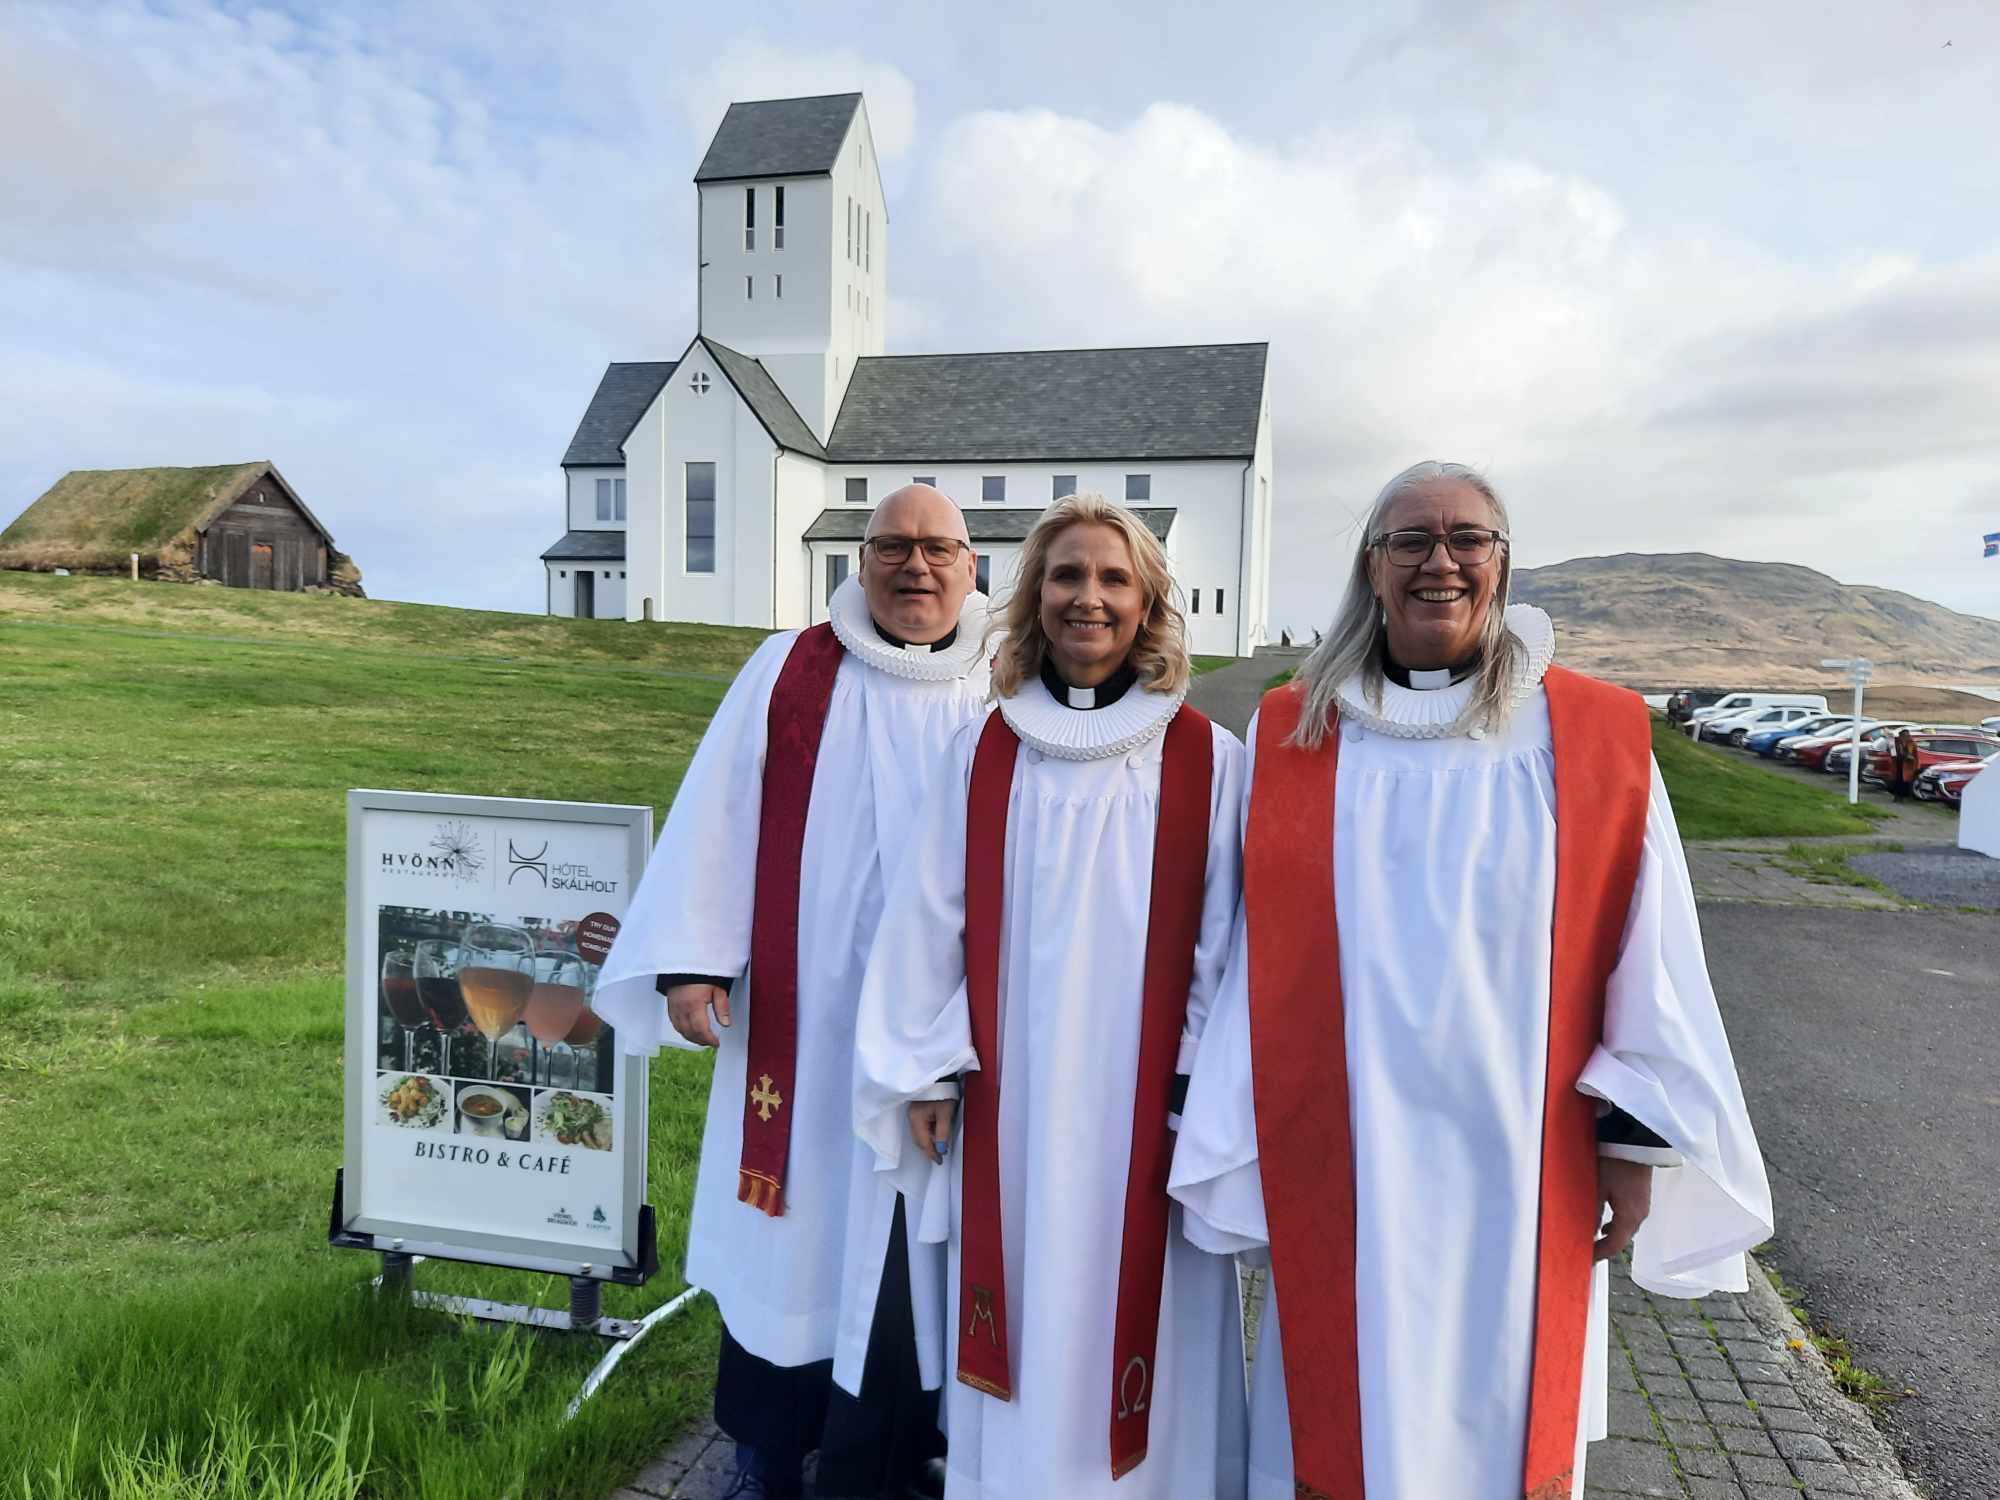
{"x": 1633, "y": 392}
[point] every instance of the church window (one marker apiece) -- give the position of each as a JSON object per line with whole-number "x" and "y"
{"x": 749, "y": 288}
{"x": 1194, "y": 602}
{"x": 617, "y": 499}
{"x": 701, "y": 518}
{"x": 699, "y": 382}
{"x": 778, "y": 217}
{"x": 749, "y": 218}
{"x": 1138, "y": 486}
{"x": 868, "y": 242}
{"x": 993, "y": 488}
{"x": 836, "y": 573}
{"x": 1061, "y": 485}
{"x": 929, "y": 479}
{"x": 857, "y": 491}
{"x": 850, "y": 229}
{"x": 778, "y": 286}
{"x": 621, "y": 572}
{"x": 1218, "y": 601}
{"x": 605, "y": 494}
{"x": 982, "y": 574}
{"x": 562, "y": 572}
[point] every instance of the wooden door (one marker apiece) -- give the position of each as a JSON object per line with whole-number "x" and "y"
{"x": 236, "y": 560}
{"x": 260, "y": 565}
{"x": 586, "y": 594}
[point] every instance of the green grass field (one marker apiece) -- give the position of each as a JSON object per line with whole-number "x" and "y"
{"x": 171, "y": 922}
{"x": 1722, "y": 796}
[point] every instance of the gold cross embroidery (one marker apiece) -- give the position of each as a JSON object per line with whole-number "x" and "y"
{"x": 767, "y": 1099}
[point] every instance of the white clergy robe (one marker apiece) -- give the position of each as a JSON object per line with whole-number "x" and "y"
{"x": 801, "y": 1287}
{"x": 1081, "y": 817}
{"x": 1444, "y": 878}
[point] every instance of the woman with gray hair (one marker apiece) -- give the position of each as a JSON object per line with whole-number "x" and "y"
{"x": 1466, "y": 1049}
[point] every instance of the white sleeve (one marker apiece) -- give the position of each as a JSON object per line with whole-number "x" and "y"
{"x": 692, "y": 910}
{"x": 1665, "y": 1060}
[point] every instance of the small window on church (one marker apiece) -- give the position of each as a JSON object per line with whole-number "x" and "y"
{"x": 603, "y": 499}
{"x": 778, "y": 287}
{"x": 1218, "y": 601}
{"x": 857, "y": 491}
{"x": 778, "y": 217}
{"x": 701, "y": 518}
{"x": 749, "y": 218}
{"x": 699, "y": 382}
{"x": 850, "y": 229}
{"x": 1061, "y": 485}
{"x": 749, "y": 288}
{"x": 1194, "y": 602}
{"x": 993, "y": 488}
{"x": 836, "y": 573}
{"x": 617, "y": 499}
{"x": 1138, "y": 486}
{"x": 562, "y": 572}
{"x": 929, "y": 479}
{"x": 982, "y": 574}
{"x": 868, "y": 242}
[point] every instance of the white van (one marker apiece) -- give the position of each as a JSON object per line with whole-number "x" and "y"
{"x": 1736, "y": 703}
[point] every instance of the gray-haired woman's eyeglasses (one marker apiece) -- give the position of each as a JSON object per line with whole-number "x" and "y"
{"x": 1470, "y": 545}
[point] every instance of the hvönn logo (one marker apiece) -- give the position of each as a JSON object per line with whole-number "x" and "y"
{"x": 455, "y": 852}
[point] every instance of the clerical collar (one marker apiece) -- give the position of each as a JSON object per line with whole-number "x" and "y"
{"x": 1103, "y": 695}
{"x": 942, "y": 643}
{"x": 1426, "y": 682}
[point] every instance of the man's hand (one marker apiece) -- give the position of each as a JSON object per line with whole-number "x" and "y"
{"x": 930, "y": 1125}
{"x": 688, "y": 1006}
{"x": 1628, "y": 1187}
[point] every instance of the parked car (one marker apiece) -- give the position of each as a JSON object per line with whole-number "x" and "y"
{"x": 1933, "y": 748}
{"x": 1835, "y": 761}
{"x": 1764, "y": 718}
{"x": 1736, "y": 703}
{"x": 1992, "y": 725}
{"x": 1946, "y": 783}
{"x": 1811, "y": 751}
{"x": 1766, "y": 741}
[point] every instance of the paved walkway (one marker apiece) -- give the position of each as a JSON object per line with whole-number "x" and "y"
{"x": 1713, "y": 1400}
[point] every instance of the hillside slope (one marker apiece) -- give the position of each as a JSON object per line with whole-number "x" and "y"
{"x": 1690, "y": 617}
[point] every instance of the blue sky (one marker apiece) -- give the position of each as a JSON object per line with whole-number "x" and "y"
{"x": 1682, "y": 278}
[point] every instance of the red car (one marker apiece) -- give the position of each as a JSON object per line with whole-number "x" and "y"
{"x": 1812, "y": 753}
{"x": 1934, "y": 748}
{"x": 1946, "y": 783}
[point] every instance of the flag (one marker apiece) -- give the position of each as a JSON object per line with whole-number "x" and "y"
{"x": 1993, "y": 544}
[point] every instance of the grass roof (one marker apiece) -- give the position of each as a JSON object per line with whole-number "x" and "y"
{"x": 97, "y": 517}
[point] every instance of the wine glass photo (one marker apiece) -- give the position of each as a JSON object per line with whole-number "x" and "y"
{"x": 554, "y": 1004}
{"x": 496, "y": 977}
{"x": 399, "y": 995}
{"x": 437, "y": 967}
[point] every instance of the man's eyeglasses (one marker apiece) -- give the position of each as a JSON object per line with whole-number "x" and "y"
{"x": 894, "y": 551}
{"x": 1471, "y": 545}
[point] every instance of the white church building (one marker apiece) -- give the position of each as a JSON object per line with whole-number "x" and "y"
{"x": 732, "y": 486}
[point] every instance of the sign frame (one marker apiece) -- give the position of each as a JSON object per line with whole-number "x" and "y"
{"x": 635, "y": 1258}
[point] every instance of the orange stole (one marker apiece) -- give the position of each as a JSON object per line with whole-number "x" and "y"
{"x": 1602, "y": 744}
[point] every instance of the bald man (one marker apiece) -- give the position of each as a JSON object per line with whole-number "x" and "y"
{"x": 748, "y": 935}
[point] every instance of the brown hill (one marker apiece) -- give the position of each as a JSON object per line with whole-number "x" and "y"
{"x": 1663, "y": 620}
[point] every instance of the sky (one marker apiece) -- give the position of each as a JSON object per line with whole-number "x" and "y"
{"x": 1701, "y": 277}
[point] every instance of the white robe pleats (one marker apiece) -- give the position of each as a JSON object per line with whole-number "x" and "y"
{"x": 1444, "y": 868}
{"x": 1077, "y": 895}
{"x": 801, "y": 1287}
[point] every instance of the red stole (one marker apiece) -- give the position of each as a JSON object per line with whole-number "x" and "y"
{"x": 1180, "y": 865}
{"x": 797, "y": 717}
{"x": 1298, "y": 1037}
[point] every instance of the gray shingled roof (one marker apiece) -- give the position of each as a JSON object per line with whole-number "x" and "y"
{"x": 773, "y": 408}
{"x": 622, "y": 398}
{"x": 779, "y": 138}
{"x": 1180, "y": 401}
{"x": 588, "y": 546}
{"x": 994, "y": 525}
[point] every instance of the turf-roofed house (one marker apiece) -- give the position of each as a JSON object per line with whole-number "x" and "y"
{"x": 733, "y": 485}
{"x": 240, "y": 525}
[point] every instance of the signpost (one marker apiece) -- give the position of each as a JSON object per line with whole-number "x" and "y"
{"x": 490, "y": 1116}
{"x": 1858, "y": 670}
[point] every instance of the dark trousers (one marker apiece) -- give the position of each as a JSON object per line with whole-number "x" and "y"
{"x": 868, "y": 1444}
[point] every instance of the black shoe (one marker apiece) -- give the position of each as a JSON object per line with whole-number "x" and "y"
{"x": 751, "y": 1482}
{"x": 928, "y": 1482}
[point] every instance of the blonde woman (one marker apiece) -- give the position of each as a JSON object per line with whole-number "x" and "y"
{"x": 1050, "y": 948}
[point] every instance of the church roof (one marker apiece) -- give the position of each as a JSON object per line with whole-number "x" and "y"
{"x": 760, "y": 392}
{"x": 1034, "y": 406}
{"x": 622, "y": 398}
{"x": 779, "y": 138}
{"x": 588, "y": 546}
{"x": 983, "y": 525}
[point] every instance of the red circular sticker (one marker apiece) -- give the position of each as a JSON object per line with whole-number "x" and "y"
{"x": 594, "y": 934}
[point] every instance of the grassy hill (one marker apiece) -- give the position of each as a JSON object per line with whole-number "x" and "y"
{"x": 171, "y": 915}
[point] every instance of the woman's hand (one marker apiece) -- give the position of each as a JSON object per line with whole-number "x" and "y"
{"x": 1627, "y": 1186}
{"x": 930, "y": 1126}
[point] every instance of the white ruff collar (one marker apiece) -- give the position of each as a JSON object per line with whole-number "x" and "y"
{"x": 1068, "y": 733}
{"x": 848, "y": 613}
{"x": 1439, "y": 713}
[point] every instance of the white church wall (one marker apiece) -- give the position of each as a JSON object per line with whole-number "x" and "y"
{"x": 801, "y": 490}
{"x": 581, "y": 495}
{"x": 645, "y": 528}
{"x": 561, "y": 589}
{"x": 608, "y": 589}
